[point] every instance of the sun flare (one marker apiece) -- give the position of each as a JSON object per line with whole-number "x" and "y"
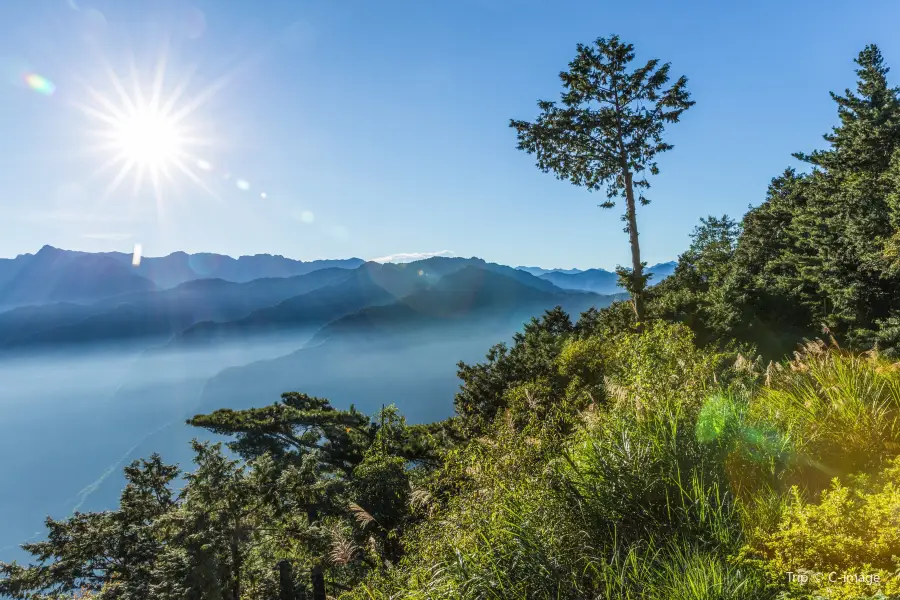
{"x": 150, "y": 133}
{"x": 149, "y": 139}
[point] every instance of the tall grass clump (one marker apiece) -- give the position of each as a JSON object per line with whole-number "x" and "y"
{"x": 839, "y": 413}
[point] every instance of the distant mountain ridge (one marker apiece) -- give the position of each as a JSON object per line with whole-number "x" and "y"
{"x": 467, "y": 294}
{"x": 600, "y": 281}
{"x": 372, "y": 285}
{"x": 153, "y": 314}
{"x": 538, "y": 271}
{"x": 214, "y": 311}
{"x": 179, "y": 267}
{"x": 55, "y": 275}
{"x": 52, "y": 275}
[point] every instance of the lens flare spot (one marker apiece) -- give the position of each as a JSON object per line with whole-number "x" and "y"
{"x": 307, "y": 216}
{"x": 136, "y": 257}
{"x": 263, "y": 195}
{"x": 243, "y": 184}
{"x": 40, "y": 84}
{"x": 204, "y": 165}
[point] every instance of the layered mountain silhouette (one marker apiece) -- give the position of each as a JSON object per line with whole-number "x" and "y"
{"x": 211, "y": 311}
{"x": 154, "y": 314}
{"x": 404, "y": 351}
{"x": 179, "y": 267}
{"x": 425, "y": 284}
{"x": 538, "y": 271}
{"x": 601, "y": 281}
{"x": 368, "y": 285}
{"x": 54, "y": 275}
{"x": 470, "y": 293}
{"x": 63, "y": 299}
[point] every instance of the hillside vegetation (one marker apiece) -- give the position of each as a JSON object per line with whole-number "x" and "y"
{"x": 742, "y": 441}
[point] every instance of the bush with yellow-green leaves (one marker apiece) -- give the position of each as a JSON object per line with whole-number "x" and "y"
{"x": 844, "y": 546}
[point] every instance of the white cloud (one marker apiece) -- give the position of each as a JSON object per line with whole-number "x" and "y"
{"x": 112, "y": 237}
{"x": 401, "y": 257}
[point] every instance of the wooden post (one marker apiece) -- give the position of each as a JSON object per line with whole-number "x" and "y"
{"x": 318, "y": 583}
{"x": 285, "y": 581}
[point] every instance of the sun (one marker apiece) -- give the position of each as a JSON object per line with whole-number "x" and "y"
{"x": 149, "y": 139}
{"x": 148, "y": 132}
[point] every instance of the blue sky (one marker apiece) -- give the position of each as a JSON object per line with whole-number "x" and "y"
{"x": 381, "y": 127}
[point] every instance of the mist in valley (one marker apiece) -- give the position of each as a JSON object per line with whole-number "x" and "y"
{"x": 85, "y": 414}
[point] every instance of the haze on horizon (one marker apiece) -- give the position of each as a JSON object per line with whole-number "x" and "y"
{"x": 334, "y": 130}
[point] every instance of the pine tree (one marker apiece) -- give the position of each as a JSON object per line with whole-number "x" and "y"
{"x": 112, "y": 553}
{"x": 870, "y": 121}
{"x": 207, "y": 535}
{"x": 847, "y": 225}
{"x": 294, "y": 427}
{"x": 607, "y": 132}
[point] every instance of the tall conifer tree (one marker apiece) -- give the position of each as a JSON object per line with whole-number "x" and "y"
{"x": 607, "y": 132}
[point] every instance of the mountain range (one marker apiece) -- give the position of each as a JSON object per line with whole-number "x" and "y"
{"x": 52, "y": 275}
{"x": 538, "y": 271}
{"x": 598, "y": 281}
{"x": 57, "y": 299}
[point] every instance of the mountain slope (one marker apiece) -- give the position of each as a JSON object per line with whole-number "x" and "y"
{"x": 9, "y": 268}
{"x": 473, "y": 292}
{"x": 601, "y": 281}
{"x": 373, "y": 284}
{"x": 179, "y": 267}
{"x": 54, "y": 275}
{"x": 538, "y": 271}
{"x": 153, "y": 314}
{"x": 370, "y": 284}
{"x": 439, "y": 266}
{"x": 404, "y": 352}
{"x": 164, "y": 271}
{"x": 594, "y": 280}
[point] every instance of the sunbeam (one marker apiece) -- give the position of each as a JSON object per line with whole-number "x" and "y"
{"x": 146, "y": 132}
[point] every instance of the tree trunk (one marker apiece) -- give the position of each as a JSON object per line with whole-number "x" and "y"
{"x": 285, "y": 581}
{"x": 637, "y": 292}
{"x": 236, "y": 561}
{"x": 318, "y": 583}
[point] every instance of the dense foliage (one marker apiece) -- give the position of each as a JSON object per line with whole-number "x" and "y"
{"x": 691, "y": 457}
{"x": 819, "y": 253}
